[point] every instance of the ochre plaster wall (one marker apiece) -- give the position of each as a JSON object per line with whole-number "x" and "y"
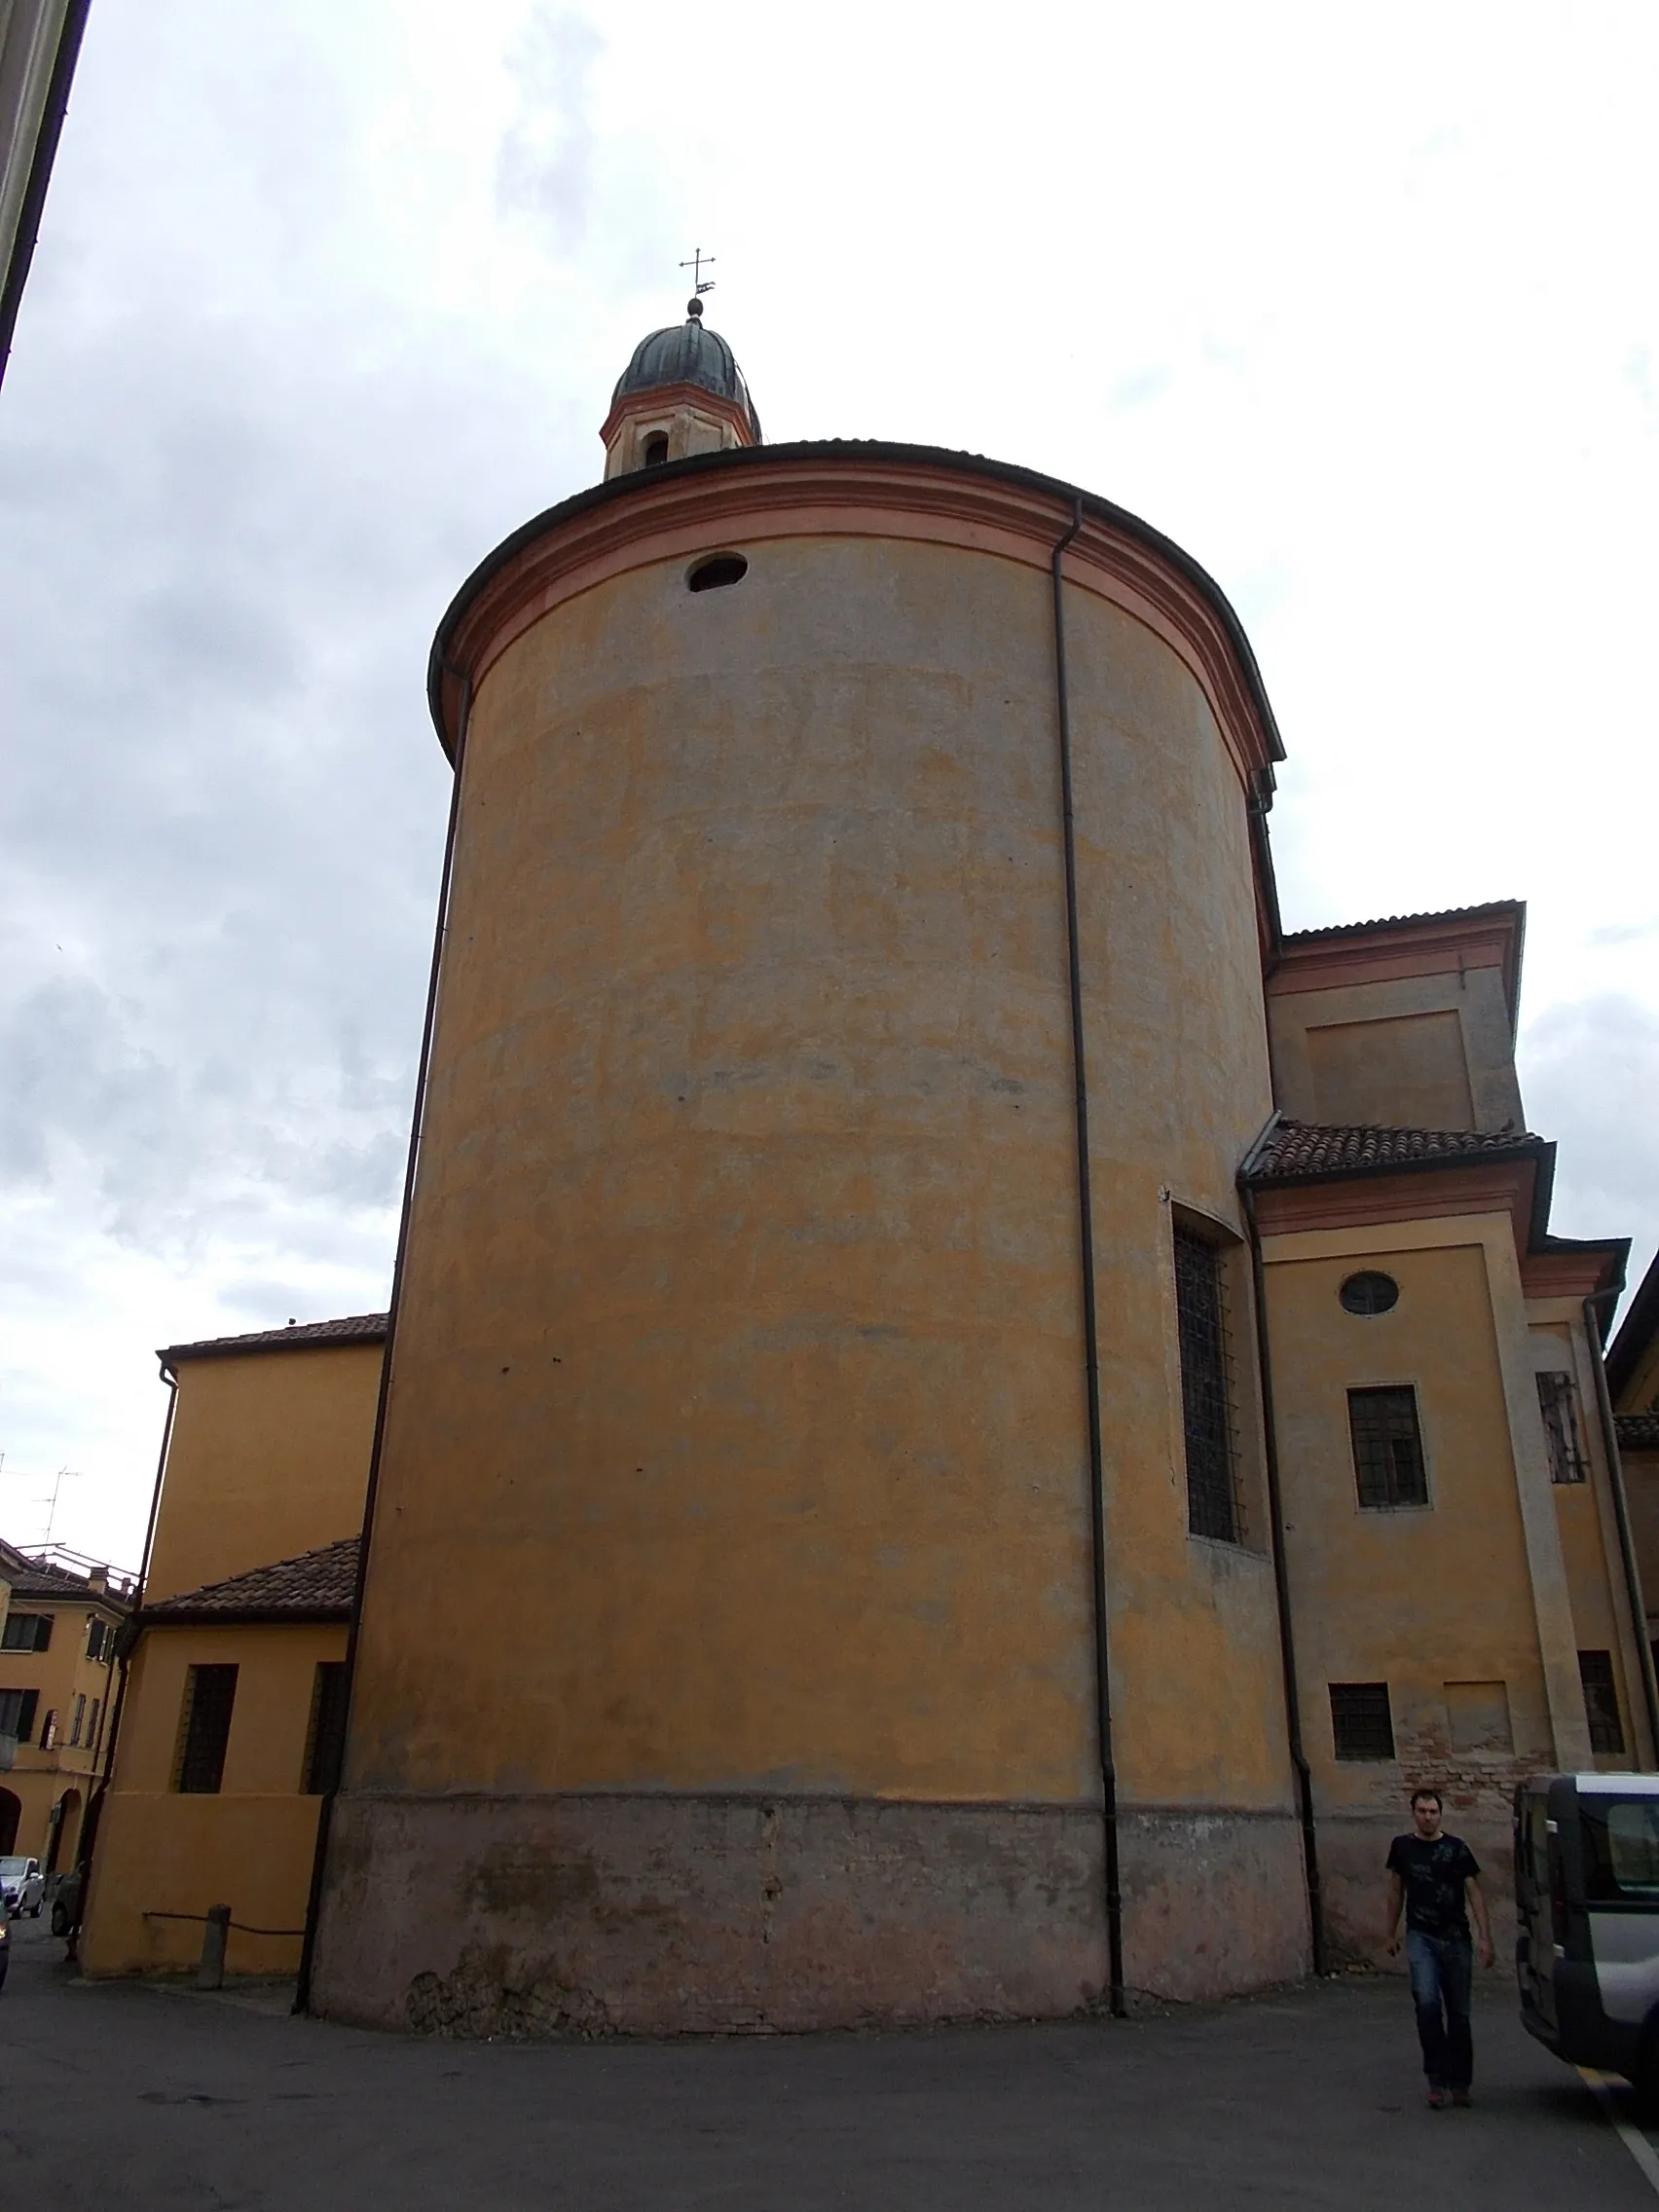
{"x": 740, "y": 1349}
{"x": 269, "y": 1458}
{"x": 1417, "y": 1597}
{"x": 1386, "y": 1052}
{"x": 249, "y": 1846}
{"x": 1642, "y": 1489}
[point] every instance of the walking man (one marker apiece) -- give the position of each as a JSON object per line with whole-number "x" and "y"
{"x": 1437, "y": 1879}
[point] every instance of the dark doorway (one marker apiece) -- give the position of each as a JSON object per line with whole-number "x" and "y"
{"x": 11, "y": 1813}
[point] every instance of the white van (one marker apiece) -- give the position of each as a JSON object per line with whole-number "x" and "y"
{"x": 1587, "y": 1900}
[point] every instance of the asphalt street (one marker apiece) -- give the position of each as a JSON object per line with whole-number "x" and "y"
{"x": 120, "y": 2096}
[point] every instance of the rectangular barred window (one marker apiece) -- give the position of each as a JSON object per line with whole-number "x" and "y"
{"x": 1387, "y": 1447}
{"x": 1567, "y": 1463}
{"x": 1200, "y": 1314}
{"x": 1601, "y": 1701}
{"x": 325, "y": 1737}
{"x": 1362, "y": 1725}
{"x": 204, "y": 1730}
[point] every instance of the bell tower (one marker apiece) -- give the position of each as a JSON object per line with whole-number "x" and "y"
{"x": 682, "y": 393}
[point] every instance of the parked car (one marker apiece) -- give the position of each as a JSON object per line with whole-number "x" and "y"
{"x": 22, "y": 1885}
{"x": 1587, "y": 1900}
{"x": 66, "y": 1905}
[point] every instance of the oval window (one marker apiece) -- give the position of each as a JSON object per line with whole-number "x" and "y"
{"x": 719, "y": 569}
{"x": 1370, "y": 1293}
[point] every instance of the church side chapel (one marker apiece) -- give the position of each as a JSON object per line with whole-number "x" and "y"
{"x": 962, "y": 1414}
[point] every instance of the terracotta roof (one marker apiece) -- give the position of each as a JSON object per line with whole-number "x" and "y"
{"x": 1297, "y": 1149}
{"x": 353, "y": 1329}
{"x": 1638, "y": 1432}
{"x": 1494, "y": 907}
{"x": 314, "y": 1586}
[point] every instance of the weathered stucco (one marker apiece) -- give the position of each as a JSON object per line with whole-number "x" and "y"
{"x": 638, "y": 1913}
{"x": 736, "y": 1434}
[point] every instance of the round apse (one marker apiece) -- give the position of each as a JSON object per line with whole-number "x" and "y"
{"x": 1369, "y": 1293}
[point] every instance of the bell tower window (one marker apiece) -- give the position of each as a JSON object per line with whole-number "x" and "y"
{"x": 656, "y": 449}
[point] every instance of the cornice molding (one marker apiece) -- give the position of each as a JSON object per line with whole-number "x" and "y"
{"x": 911, "y": 492}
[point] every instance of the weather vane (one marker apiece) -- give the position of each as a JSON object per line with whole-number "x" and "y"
{"x": 701, "y": 283}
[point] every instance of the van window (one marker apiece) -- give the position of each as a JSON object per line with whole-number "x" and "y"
{"x": 1621, "y": 1850}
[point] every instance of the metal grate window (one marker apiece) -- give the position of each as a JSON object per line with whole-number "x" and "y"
{"x": 1387, "y": 1447}
{"x": 1201, "y": 1312}
{"x": 1362, "y": 1727}
{"x": 1567, "y": 1463}
{"x": 209, "y": 1693}
{"x": 1601, "y": 1701}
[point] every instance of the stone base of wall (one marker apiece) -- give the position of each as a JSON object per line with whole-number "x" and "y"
{"x": 652, "y": 1915}
{"x": 1352, "y": 1850}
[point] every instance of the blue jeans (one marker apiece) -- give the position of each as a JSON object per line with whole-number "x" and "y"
{"x": 1443, "y": 1972}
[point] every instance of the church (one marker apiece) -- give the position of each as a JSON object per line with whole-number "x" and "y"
{"x": 961, "y": 1414}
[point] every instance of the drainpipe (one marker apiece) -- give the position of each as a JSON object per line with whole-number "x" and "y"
{"x": 1621, "y": 1514}
{"x": 1091, "y": 1328}
{"x": 326, "y": 1811}
{"x": 127, "y": 1644}
{"x": 1281, "y": 1566}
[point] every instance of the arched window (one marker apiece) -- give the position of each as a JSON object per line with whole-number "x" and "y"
{"x": 656, "y": 449}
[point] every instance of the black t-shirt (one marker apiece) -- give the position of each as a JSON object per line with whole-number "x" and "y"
{"x": 1434, "y": 1874}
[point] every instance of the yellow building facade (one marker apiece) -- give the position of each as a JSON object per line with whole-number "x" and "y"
{"x": 231, "y": 1713}
{"x": 962, "y": 1415}
{"x": 58, "y": 1649}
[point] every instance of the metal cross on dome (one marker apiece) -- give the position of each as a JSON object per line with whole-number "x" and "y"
{"x": 700, "y": 285}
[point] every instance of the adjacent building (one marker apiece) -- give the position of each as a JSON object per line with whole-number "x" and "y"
{"x": 233, "y": 1702}
{"x": 58, "y": 1650}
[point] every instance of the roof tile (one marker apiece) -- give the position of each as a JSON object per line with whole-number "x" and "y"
{"x": 1638, "y": 1432}
{"x": 1297, "y": 1149}
{"x": 350, "y": 1329}
{"x": 1404, "y": 921}
{"x": 312, "y": 1585}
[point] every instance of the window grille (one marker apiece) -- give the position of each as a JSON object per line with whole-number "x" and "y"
{"x": 1387, "y": 1447}
{"x": 1601, "y": 1701}
{"x": 325, "y": 1737}
{"x": 209, "y": 1693}
{"x": 1200, "y": 1313}
{"x": 1362, "y": 1725}
{"x": 1567, "y": 1463}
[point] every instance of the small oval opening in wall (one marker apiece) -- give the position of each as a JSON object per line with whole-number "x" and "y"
{"x": 1370, "y": 1293}
{"x": 718, "y": 570}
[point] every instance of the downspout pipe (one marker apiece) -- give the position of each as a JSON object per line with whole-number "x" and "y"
{"x": 33, "y": 205}
{"x": 326, "y": 1811}
{"x": 127, "y": 1644}
{"x": 1621, "y": 1515}
{"x": 1116, "y": 1993}
{"x": 1281, "y": 1568}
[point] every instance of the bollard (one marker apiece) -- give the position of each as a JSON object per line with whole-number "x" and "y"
{"x": 210, "y": 1973}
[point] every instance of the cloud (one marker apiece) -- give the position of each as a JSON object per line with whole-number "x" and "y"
{"x": 545, "y": 164}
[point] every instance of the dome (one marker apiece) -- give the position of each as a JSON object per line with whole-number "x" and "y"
{"x": 687, "y": 352}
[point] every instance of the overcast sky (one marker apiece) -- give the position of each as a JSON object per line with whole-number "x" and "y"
{"x": 1357, "y": 304}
